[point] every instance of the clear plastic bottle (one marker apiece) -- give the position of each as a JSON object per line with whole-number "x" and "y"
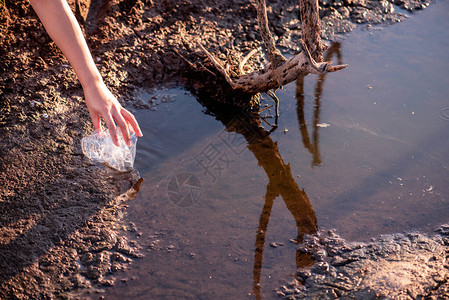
{"x": 99, "y": 147}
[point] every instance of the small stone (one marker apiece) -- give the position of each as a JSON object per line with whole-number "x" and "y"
{"x": 304, "y": 274}
{"x": 153, "y": 244}
{"x": 118, "y": 257}
{"x": 320, "y": 267}
{"x": 339, "y": 261}
{"x": 320, "y": 254}
{"x": 444, "y": 229}
{"x": 106, "y": 282}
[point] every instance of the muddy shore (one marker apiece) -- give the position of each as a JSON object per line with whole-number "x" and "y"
{"x": 394, "y": 266}
{"x": 61, "y": 231}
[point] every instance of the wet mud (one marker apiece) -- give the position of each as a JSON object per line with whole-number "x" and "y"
{"x": 62, "y": 231}
{"x": 395, "y": 266}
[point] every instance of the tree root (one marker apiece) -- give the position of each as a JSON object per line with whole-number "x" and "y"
{"x": 280, "y": 71}
{"x": 270, "y": 78}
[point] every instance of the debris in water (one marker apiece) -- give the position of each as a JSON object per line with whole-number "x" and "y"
{"x": 429, "y": 190}
{"x": 100, "y": 148}
{"x": 275, "y": 244}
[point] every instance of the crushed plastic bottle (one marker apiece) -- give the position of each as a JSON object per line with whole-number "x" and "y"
{"x": 99, "y": 147}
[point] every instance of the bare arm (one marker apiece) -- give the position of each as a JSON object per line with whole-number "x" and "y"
{"x": 61, "y": 25}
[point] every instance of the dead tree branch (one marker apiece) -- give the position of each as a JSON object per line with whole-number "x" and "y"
{"x": 280, "y": 71}
{"x": 274, "y": 55}
{"x": 269, "y": 78}
{"x": 310, "y": 22}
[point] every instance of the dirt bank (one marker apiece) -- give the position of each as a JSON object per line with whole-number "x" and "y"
{"x": 61, "y": 229}
{"x": 397, "y": 266}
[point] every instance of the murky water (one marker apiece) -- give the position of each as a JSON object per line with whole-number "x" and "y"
{"x": 365, "y": 151}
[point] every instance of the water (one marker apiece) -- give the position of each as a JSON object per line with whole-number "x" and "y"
{"x": 214, "y": 200}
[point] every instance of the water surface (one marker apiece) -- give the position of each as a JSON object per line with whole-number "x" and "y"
{"x": 364, "y": 151}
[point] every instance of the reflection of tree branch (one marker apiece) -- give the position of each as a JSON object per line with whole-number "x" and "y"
{"x": 260, "y": 240}
{"x": 313, "y": 148}
{"x": 281, "y": 183}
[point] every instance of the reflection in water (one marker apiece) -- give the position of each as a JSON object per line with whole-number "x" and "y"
{"x": 281, "y": 183}
{"x": 313, "y": 146}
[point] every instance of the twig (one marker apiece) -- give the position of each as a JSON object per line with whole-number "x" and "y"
{"x": 270, "y": 106}
{"x": 192, "y": 65}
{"x": 218, "y": 66}
{"x": 274, "y": 55}
{"x": 276, "y": 101}
{"x": 245, "y": 59}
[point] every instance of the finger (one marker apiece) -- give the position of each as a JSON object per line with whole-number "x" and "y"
{"x": 112, "y": 129}
{"x": 123, "y": 127}
{"x": 129, "y": 117}
{"x": 96, "y": 121}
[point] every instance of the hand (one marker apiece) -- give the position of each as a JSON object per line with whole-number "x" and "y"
{"x": 65, "y": 31}
{"x": 102, "y": 104}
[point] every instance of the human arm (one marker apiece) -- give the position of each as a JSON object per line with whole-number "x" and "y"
{"x": 61, "y": 25}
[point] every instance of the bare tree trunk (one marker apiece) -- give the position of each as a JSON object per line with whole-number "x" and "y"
{"x": 310, "y": 22}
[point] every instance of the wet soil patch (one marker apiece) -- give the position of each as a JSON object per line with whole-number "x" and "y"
{"x": 399, "y": 266}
